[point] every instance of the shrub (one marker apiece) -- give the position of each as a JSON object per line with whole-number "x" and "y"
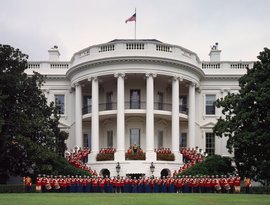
{"x": 138, "y": 156}
{"x": 165, "y": 157}
{"x": 105, "y": 156}
{"x": 212, "y": 165}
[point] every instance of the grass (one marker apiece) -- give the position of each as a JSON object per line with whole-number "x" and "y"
{"x": 130, "y": 199}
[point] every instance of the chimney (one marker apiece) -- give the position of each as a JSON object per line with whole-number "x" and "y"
{"x": 54, "y": 53}
{"x": 215, "y": 53}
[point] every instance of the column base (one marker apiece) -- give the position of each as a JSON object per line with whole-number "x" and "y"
{"x": 151, "y": 156}
{"x": 178, "y": 157}
{"x": 119, "y": 156}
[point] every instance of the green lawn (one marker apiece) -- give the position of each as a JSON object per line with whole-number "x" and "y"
{"x": 130, "y": 199}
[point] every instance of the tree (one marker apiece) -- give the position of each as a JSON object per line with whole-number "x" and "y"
{"x": 246, "y": 121}
{"x": 212, "y": 165}
{"x": 29, "y": 130}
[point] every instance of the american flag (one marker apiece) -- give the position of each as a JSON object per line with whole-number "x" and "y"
{"x": 132, "y": 18}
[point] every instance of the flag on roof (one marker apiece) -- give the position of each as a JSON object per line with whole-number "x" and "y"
{"x": 132, "y": 18}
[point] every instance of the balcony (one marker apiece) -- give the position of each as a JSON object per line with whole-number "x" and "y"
{"x": 134, "y": 105}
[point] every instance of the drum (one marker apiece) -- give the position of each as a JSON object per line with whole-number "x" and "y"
{"x": 227, "y": 187}
{"x": 48, "y": 186}
{"x": 218, "y": 187}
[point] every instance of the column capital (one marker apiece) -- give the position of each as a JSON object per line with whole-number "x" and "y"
{"x": 177, "y": 78}
{"x": 92, "y": 78}
{"x": 193, "y": 84}
{"x": 75, "y": 84}
{"x": 153, "y": 75}
{"x": 120, "y": 74}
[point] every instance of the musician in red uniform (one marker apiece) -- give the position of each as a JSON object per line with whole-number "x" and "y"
{"x": 237, "y": 183}
{"x": 38, "y": 183}
{"x": 208, "y": 182}
{"x": 201, "y": 184}
{"x": 231, "y": 183}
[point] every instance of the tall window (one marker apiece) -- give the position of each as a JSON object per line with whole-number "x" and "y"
{"x": 87, "y": 104}
{"x": 85, "y": 140}
{"x": 160, "y": 100}
{"x": 109, "y": 96}
{"x": 135, "y": 100}
{"x": 60, "y": 103}
{"x": 183, "y": 140}
{"x": 109, "y": 138}
{"x": 210, "y": 143}
{"x": 160, "y": 138}
{"x": 183, "y": 103}
{"x": 210, "y": 104}
{"x": 134, "y": 136}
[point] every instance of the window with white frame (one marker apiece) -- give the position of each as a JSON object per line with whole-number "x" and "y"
{"x": 183, "y": 140}
{"x": 210, "y": 143}
{"x": 210, "y": 108}
{"x": 60, "y": 103}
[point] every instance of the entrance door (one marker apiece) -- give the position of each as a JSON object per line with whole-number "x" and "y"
{"x": 164, "y": 173}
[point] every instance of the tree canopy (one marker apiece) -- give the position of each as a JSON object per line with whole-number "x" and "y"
{"x": 29, "y": 132}
{"x": 246, "y": 121}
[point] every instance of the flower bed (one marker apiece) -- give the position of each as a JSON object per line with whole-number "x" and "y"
{"x": 138, "y": 156}
{"x": 165, "y": 157}
{"x": 105, "y": 156}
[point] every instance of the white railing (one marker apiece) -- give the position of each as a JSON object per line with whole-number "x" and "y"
{"x": 227, "y": 65}
{"x": 33, "y": 66}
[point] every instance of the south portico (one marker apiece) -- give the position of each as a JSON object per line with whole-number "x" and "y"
{"x": 148, "y": 113}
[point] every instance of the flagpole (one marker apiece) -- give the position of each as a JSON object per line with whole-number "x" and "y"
{"x": 135, "y": 23}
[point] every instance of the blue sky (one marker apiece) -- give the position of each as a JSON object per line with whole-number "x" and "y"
{"x": 241, "y": 27}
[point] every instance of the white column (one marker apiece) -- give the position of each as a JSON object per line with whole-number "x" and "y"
{"x": 95, "y": 116}
{"x": 120, "y": 148}
{"x": 175, "y": 119}
{"x": 150, "y": 155}
{"x": 175, "y": 115}
{"x": 78, "y": 115}
{"x": 191, "y": 116}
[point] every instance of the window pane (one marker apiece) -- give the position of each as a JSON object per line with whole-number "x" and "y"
{"x": 85, "y": 140}
{"x": 183, "y": 140}
{"x": 160, "y": 138}
{"x": 135, "y": 136}
{"x": 109, "y": 96}
{"x": 182, "y": 104}
{"x": 60, "y": 103}
{"x": 135, "y": 99}
{"x": 87, "y": 104}
{"x": 210, "y": 104}
{"x": 160, "y": 101}
{"x": 210, "y": 143}
{"x": 110, "y": 138}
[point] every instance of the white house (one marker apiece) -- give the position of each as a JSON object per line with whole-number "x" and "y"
{"x": 142, "y": 92}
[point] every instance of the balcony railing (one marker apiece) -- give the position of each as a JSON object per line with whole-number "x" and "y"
{"x": 87, "y": 109}
{"x": 162, "y": 106}
{"x": 107, "y": 106}
{"x": 134, "y": 105}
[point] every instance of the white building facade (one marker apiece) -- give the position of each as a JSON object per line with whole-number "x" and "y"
{"x": 142, "y": 92}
